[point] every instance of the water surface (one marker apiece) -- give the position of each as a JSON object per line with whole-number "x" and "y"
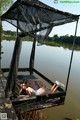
{"x": 54, "y": 63}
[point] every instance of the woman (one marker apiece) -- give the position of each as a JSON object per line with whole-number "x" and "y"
{"x": 26, "y": 90}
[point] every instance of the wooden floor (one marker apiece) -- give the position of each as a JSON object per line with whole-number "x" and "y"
{"x": 6, "y": 108}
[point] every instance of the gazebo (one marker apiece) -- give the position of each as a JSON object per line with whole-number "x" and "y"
{"x": 36, "y": 19}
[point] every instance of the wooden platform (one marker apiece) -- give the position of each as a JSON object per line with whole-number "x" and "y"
{"x": 6, "y": 108}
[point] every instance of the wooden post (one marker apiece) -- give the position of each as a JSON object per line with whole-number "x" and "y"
{"x": 32, "y": 57}
{"x": 0, "y": 41}
{"x": 12, "y": 76}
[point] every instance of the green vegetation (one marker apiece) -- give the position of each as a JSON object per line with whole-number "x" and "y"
{"x": 64, "y": 41}
{"x": 53, "y": 41}
{"x": 4, "y": 4}
{"x": 65, "y": 46}
{"x": 8, "y": 35}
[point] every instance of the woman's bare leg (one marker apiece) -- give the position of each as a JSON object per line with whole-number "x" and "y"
{"x": 52, "y": 88}
{"x": 55, "y": 89}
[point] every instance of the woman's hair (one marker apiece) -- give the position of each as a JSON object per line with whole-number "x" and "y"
{"x": 26, "y": 82}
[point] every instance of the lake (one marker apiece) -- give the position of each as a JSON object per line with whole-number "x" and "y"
{"x": 53, "y": 62}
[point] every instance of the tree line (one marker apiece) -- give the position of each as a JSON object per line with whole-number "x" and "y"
{"x": 64, "y": 39}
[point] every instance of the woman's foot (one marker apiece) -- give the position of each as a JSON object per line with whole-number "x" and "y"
{"x": 59, "y": 84}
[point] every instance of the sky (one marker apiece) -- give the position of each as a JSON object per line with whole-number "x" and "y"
{"x": 62, "y": 29}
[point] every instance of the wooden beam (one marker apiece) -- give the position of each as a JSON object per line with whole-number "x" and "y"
{"x": 44, "y": 77}
{"x": 12, "y": 76}
{"x": 19, "y": 69}
{"x": 32, "y": 57}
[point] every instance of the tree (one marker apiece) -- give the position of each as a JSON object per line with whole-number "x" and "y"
{"x": 55, "y": 36}
{"x": 4, "y": 4}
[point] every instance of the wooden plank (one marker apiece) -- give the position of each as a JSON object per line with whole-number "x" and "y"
{"x": 6, "y": 107}
{"x": 19, "y": 69}
{"x": 5, "y": 103}
{"x": 10, "y": 110}
{"x": 2, "y": 109}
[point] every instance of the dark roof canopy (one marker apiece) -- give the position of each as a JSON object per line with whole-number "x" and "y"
{"x": 35, "y": 16}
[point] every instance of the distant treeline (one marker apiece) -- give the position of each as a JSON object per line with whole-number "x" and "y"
{"x": 66, "y": 39}
{"x": 8, "y": 32}
{"x": 8, "y": 35}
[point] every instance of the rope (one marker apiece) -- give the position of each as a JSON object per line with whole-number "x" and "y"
{"x": 71, "y": 56}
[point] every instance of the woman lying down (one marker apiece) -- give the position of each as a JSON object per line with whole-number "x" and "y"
{"x": 26, "y": 90}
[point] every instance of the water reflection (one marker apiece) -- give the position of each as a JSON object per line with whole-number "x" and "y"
{"x": 54, "y": 63}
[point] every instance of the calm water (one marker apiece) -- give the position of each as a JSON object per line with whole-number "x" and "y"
{"x": 52, "y": 62}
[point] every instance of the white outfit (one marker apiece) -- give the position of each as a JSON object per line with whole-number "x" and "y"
{"x": 40, "y": 91}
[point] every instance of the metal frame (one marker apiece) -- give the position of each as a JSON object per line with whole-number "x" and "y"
{"x": 71, "y": 55}
{"x": 12, "y": 76}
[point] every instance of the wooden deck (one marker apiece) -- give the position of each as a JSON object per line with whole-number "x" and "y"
{"x": 6, "y": 108}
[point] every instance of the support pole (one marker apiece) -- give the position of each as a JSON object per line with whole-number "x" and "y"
{"x": 0, "y": 42}
{"x": 32, "y": 57}
{"x": 12, "y": 76}
{"x": 71, "y": 56}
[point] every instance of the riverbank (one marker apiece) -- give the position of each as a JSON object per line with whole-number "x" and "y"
{"x": 49, "y": 43}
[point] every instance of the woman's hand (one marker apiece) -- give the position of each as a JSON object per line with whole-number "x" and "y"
{"x": 23, "y": 86}
{"x": 29, "y": 92}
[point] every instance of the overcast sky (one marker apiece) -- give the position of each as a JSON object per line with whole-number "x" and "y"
{"x": 66, "y": 7}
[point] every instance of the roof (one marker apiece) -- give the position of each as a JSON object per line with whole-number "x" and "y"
{"x": 35, "y": 16}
